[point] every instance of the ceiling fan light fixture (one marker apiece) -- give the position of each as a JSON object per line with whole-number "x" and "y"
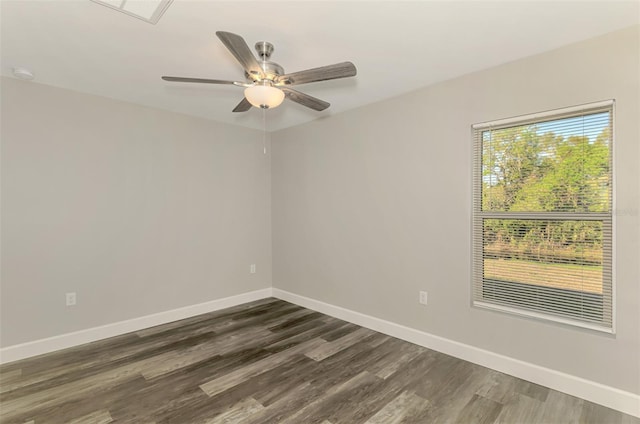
{"x": 264, "y": 96}
{"x": 267, "y": 84}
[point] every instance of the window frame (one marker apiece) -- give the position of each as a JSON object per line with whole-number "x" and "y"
{"x": 478, "y": 216}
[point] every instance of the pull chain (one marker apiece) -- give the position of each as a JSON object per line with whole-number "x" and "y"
{"x": 264, "y": 131}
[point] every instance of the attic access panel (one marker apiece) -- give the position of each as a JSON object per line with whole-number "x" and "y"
{"x": 148, "y": 10}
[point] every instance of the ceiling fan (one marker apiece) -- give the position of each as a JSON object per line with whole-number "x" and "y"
{"x": 266, "y": 83}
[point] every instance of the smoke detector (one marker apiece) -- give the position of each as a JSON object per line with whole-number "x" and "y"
{"x": 23, "y": 74}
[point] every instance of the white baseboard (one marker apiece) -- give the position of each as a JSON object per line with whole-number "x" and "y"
{"x": 623, "y": 401}
{"x": 63, "y": 341}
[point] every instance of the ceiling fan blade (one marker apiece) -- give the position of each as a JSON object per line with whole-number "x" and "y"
{"x": 239, "y": 49}
{"x": 305, "y": 99}
{"x": 243, "y": 106}
{"x": 202, "y": 80}
{"x": 323, "y": 73}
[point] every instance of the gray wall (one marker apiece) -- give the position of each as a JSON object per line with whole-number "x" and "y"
{"x": 372, "y": 205}
{"x": 137, "y": 210}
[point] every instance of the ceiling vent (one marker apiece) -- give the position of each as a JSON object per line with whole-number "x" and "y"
{"x": 148, "y": 10}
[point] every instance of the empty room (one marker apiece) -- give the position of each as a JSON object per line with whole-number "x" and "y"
{"x": 319, "y": 212}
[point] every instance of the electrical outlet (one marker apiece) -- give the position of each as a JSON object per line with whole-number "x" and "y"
{"x": 71, "y": 299}
{"x": 252, "y": 269}
{"x": 423, "y": 297}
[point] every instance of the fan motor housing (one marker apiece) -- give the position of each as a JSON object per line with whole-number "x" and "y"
{"x": 271, "y": 70}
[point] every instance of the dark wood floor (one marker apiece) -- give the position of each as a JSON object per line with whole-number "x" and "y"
{"x": 273, "y": 362}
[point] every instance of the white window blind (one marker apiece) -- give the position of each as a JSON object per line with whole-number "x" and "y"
{"x": 542, "y": 216}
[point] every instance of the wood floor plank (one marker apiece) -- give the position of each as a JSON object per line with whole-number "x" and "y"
{"x": 291, "y": 315}
{"x": 374, "y": 342}
{"x": 331, "y": 348}
{"x": 138, "y": 361}
{"x": 225, "y": 382}
{"x": 522, "y": 409}
{"x": 285, "y": 381}
{"x": 258, "y": 305}
{"x": 150, "y": 407}
{"x": 11, "y": 379}
{"x": 301, "y": 334}
{"x": 205, "y": 408}
{"x": 238, "y": 413}
{"x": 560, "y": 407}
{"x": 67, "y": 391}
{"x": 402, "y": 353}
{"x": 532, "y": 390}
{"x": 190, "y": 407}
{"x": 595, "y": 414}
{"x": 268, "y": 362}
{"x": 480, "y": 410}
{"x": 403, "y": 407}
{"x": 292, "y": 323}
{"x": 215, "y": 346}
{"x": 499, "y": 387}
{"x": 124, "y": 349}
{"x": 68, "y": 357}
{"x": 366, "y": 401}
{"x": 72, "y": 407}
{"x": 318, "y": 380}
{"x": 451, "y": 390}
{"x": 168, "y": 396}
{"x": 333, "y": 400}
{"x": 343, "y": 330}
{"x": 97, "y": 417}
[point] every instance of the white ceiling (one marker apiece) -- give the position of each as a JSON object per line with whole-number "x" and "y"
{"x": 397, "y": 46}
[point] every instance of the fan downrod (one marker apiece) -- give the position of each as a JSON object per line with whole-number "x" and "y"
{"x": 271, "y": 69}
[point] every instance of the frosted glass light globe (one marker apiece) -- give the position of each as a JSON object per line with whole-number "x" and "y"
{"x": 264, "y": 96}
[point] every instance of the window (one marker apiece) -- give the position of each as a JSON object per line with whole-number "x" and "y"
{"x": 542, "y": 216}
